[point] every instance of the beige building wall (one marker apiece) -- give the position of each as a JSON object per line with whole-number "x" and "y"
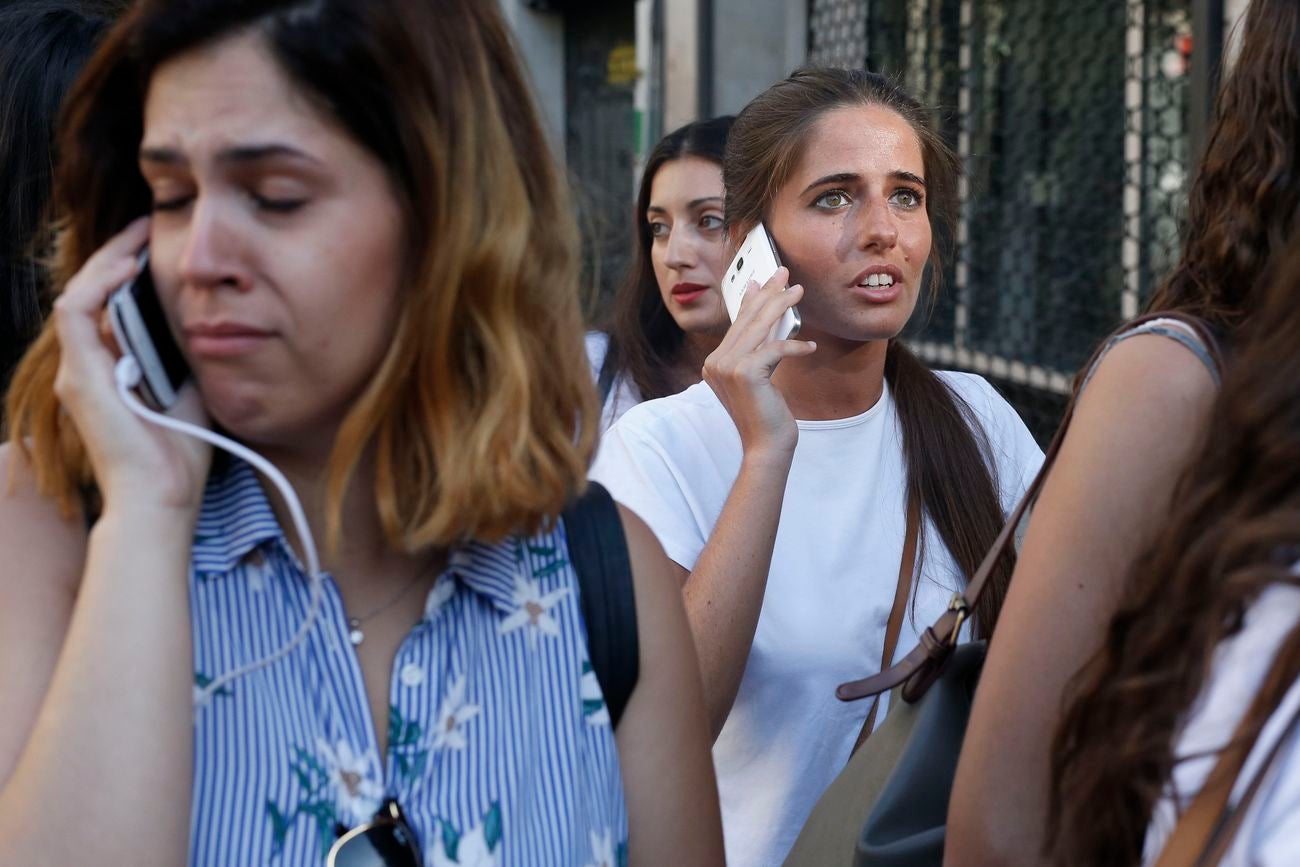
{"x": 681, "y": 53}
{"x": 539, "y": 37}
{"x": 1233, "y": 12}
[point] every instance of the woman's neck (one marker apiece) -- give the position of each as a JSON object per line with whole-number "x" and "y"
{"x": 363, "y": 547}
{"x": 840, "y": 380}
{"x": 690, "y": 356}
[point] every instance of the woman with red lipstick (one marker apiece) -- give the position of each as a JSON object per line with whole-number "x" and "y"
{"x": 668, "y": 316}
{"x": 781, "y": 486}
{"x": 368, "y": 260}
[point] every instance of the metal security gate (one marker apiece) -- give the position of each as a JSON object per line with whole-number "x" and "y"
{"x": 601, "y": 135}
{"x": 1072, "y": 120}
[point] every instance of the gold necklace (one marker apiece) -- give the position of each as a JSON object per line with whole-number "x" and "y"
{"x": 355, "y": 634}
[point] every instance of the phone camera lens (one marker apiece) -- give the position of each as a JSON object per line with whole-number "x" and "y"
{"x": 740, "y": 263}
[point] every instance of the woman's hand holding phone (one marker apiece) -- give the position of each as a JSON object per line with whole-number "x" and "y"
{"x": 740, "y": 370}
{"x": 134, "y": 462}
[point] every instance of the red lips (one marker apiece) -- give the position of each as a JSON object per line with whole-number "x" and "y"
{"x": 686, "y": 293}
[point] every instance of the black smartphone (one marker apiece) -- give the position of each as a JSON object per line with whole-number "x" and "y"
{"x": 138, "y": 323}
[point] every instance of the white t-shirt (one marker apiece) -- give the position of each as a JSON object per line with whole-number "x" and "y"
{"x": 830, "y": 589}
{"x": 623, "y": 395}
{"x": 1269, "y": 835}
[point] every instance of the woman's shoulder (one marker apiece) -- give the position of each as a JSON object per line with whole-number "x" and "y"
{"x": 677, "y": 415}
{"x": 1172, "y": 344}
{"x": 1150, "y": 380}
{"x": 997, "y": 416}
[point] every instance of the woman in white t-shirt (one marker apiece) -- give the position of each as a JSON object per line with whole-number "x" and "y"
{"x": 668, "y": 315}
{"x": 1207, "y": 634}
{"x": 781, "y": 492}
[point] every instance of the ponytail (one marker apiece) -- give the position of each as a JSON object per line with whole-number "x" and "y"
{"x": 951, "y": 473}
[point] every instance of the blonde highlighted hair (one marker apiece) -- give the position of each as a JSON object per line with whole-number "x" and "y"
{"x": 481, "y": 418}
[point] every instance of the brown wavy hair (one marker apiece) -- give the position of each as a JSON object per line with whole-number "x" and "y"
{"x": 950, "y": 470}
{"x": 481, "y": 417}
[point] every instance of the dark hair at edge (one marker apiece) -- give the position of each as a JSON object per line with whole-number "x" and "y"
{"x": 643, "y": 336}
{"x": 1245, "y": 196}
{"x": 949, "y": 463}
{"x": 1234, "y": 531}
{"x": 1238, "y": 503}
{"x": 43, "y": 45}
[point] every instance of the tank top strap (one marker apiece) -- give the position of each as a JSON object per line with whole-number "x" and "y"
{"x": 1174, "y": 329}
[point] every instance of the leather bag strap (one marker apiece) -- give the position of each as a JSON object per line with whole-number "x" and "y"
{"x": 1203, "y": 833}
{"x": 906, "y": 572}
{"x": 925, "y": 662}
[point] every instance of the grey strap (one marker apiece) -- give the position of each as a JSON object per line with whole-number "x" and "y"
{"x": 1166, "y": 326}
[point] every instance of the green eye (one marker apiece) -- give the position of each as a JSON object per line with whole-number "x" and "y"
{"x": 907, "y": 198}
{"x": 832, "y": 200}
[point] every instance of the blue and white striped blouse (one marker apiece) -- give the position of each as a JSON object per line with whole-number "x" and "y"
{"x": 500, "y": 749}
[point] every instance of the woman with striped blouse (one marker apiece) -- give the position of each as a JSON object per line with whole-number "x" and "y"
{"x": 370, "y": 270}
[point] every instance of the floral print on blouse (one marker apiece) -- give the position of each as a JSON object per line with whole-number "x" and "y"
{"x": 500, "y": 750}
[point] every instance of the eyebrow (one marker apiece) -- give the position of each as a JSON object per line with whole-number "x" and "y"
{"x": 852, "y": 177}
{"x": 690, "y": 206}
{"x": 234, "y": 155}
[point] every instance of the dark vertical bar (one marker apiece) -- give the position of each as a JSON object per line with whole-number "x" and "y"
{"x": 655, "y": 126}
{"x": 704, "y": 98}
{"x": 809, "y": 42}
{"x": 1207, "y": 59}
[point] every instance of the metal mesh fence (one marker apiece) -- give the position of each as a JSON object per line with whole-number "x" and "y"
{"x": 1072, "y": 124}
{"x": 601, "y": 139}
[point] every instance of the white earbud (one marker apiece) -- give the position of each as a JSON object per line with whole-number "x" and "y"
{"x": 127, "y": 372}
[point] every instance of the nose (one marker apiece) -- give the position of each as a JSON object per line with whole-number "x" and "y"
{"x": 209, "y": 258}
{"x": 681, "y": 252}
{"x": 878, "y": 230}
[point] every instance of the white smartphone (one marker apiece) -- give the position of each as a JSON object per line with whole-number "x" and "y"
{"x": 756, "y": 260}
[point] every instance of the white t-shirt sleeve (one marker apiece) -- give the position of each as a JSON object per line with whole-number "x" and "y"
{"x": 597, "y": 346}
{"x": 623, "y": 395}
{"x": 642, "y": 476}
{"x": 1016, "y": 455}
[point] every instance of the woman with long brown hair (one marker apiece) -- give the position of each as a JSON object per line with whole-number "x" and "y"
{"x": 1203, "y": 654}
{"x": 782, "y": 485}
{"x": 368, "y": 263}
{"x": 1142, "y": 415}
{"x": 668, "y": 315}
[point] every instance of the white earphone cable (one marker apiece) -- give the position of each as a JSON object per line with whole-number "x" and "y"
{"x": 127, "y": 376}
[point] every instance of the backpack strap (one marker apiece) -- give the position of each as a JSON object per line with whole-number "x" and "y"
{"x": 598, "y": 551}
{"x": 923, "y": 665}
